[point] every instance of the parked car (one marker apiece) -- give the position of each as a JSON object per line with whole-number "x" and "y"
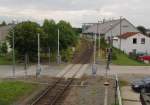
{"x": 141, "y": 84}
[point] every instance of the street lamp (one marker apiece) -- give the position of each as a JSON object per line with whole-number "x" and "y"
{"x": 58, "y": 50}
{"x": 94, "y": 67}
{"x": 13, "y": 50}
{"x": 38, "y": 71}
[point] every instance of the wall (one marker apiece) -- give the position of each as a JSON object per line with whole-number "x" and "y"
{"x": 127, "y": 44}
{"x": 126, "y": 27}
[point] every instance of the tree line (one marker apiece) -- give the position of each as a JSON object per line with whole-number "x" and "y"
{"x": 25, "y": 36}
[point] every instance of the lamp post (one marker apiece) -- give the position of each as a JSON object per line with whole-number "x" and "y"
{"x": 49, "y": 50}
{"x": 94, "y": 67}
{"x": 58, "y": 50}
{"x": 99, "y": 38}
{"x": 13, "y": 50}
{"x": 38, "y": 66}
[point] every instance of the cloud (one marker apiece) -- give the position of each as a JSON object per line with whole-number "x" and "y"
{"x": 76, "y": 11}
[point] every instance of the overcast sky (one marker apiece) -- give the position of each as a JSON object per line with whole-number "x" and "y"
{"x": 76, "y": 11}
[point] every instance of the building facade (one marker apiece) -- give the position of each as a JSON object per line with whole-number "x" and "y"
{"x": 109, "y": 28}
{"x": 132, "y": 42}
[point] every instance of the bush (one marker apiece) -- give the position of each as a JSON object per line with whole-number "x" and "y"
{"x": 67, "y": 55}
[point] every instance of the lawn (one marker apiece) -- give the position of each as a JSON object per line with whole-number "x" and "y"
{"x": 123, "y": 59}
{"x": 5, "y": 60}
{"x": 12, "y": 91}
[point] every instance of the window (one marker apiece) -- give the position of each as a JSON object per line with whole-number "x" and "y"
{"x": 143, "y": 41}
{"x": 134, "y": 41}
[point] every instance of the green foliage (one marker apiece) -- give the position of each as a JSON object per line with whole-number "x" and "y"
{"x": 3, "y": 48}
{"x": 5, "y": 60}
{"x": 142, "y": 29}
{"x": 50, "y": 29}
{"x": 68, "y": 36}
{"x": 67, "y": 54}
{"x": 11, "y": 91}
{"x": 3, "y": 23}
{"x": 25, "y": 38}
{"x": 124, "y": 59}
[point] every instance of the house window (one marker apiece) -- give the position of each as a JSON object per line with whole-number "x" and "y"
{"x": 143, "y": 41}
{"x": 134, "y": 41}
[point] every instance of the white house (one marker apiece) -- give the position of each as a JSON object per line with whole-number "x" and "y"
{"x": 132, "y": 42}
{"x": 108, "y": 28}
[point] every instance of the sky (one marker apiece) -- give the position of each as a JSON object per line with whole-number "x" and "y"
{"x": 76, "y": 11}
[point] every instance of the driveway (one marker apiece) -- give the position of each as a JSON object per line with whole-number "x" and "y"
{"x": 129, "y": 96}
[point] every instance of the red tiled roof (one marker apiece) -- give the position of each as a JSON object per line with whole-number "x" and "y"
{"x": 128, "y": 34}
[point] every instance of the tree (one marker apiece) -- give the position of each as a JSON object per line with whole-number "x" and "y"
{"x": 68, "y": 36}
{"x": 26, "y": 39}
{"x": 142, "y": 29}
{"x": 3, "y": 48}
{"x": 3, "y": 23}
{"x": 50, "y": 29}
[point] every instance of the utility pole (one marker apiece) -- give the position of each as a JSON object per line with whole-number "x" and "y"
{"x": 94, "y": 68}
{"x": 120, "y": 31}
{"x": 58, "y": 53}
{"x": 13, "y": 41}
{"x": 38, "y": 66}
{"x": 49, "y": 50}
{"x": 99, "y": 37}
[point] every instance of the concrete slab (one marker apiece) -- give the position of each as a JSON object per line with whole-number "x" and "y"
{"x": 131, "y": 103}
{"x": 82, "y": 71}
{"x": 73, "y": 70}
{"x": 67, "y": 68}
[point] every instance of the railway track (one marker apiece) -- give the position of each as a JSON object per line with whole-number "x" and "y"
{"x": 53, "y": 94}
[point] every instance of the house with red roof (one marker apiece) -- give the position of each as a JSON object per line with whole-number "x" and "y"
{"x": 132, "y": 42}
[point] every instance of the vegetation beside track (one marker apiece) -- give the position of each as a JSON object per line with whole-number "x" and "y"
{"x": 12, "y": 91}
{"x": 5, "y": 60}
{"x": 119, "y": 57}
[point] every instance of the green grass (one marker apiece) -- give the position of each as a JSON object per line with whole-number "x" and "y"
{"x": 123, "y": 59}
{"x": 5, "y": 60}
{"x": 11, "y": 91}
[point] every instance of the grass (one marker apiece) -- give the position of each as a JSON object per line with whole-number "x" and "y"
{"x": 123, "y": 59}
{"x": 123, "y": 83}
{"x": 5, "y": 60}
{"x": 11, "y": 91}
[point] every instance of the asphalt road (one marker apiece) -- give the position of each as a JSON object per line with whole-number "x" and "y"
{"x": 53, "y": 70}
